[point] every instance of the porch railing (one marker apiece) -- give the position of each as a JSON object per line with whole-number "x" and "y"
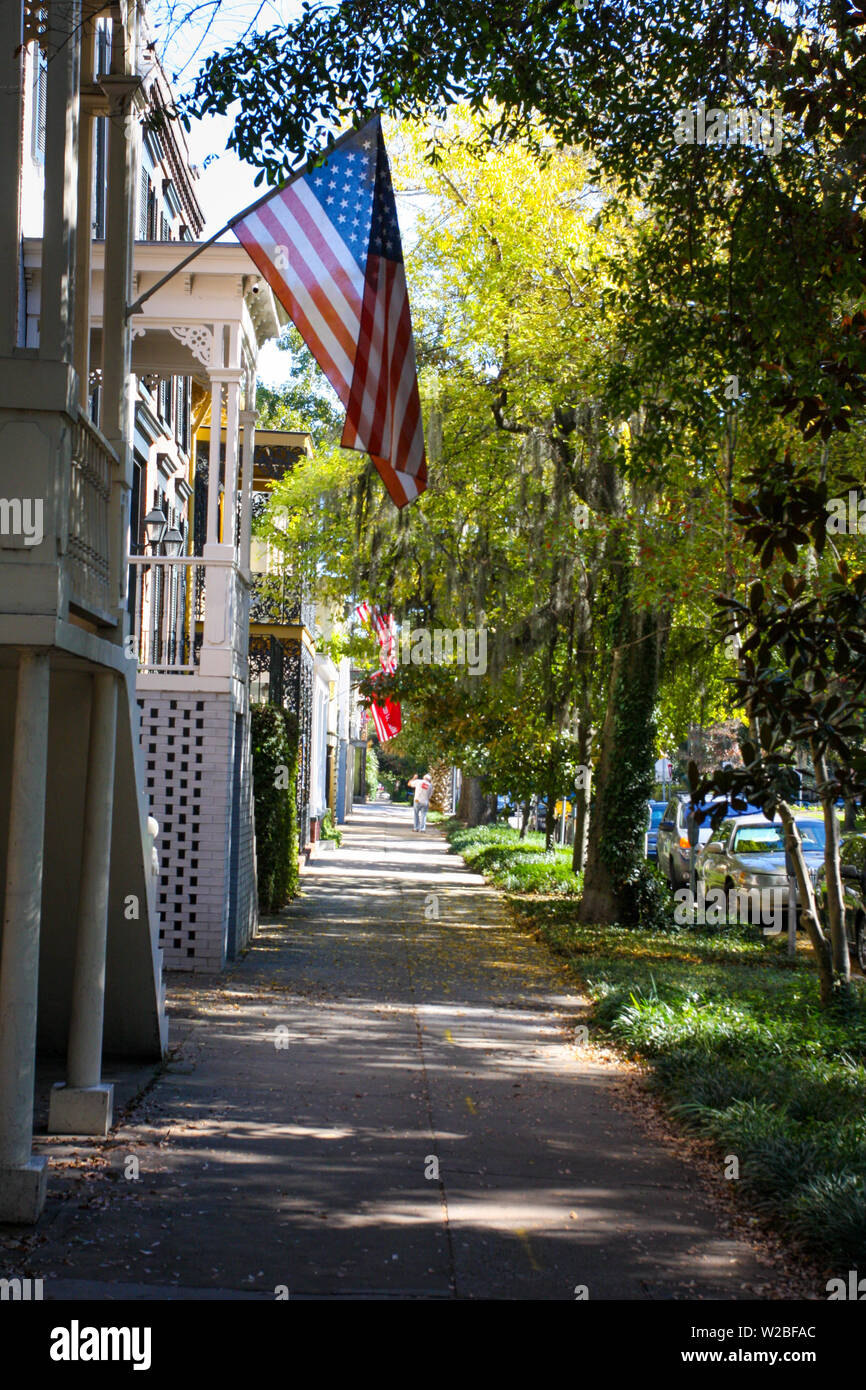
{"x": 87, "y": 551}
{"x": 168, "y": 595}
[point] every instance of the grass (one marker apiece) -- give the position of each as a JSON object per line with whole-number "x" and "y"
{"x": 736, "y": 1043}
{"x": 515, "y": 865}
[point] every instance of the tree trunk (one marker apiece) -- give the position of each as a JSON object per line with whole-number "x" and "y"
{"x": 582, "y": 793}
{"x": 833, "y": 878}
{"x": 549, "y": 820}
{"x": 524, "y": 822}
{"x": 440, "y": 776}
{"x": 470, "y": 807}
{"x": 808, "y": 908}
{"x": 625, "y": 766}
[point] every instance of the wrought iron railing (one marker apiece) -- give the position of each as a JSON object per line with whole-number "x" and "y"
{"x": 168, "y": 604}
{"x": 275, "y": 598}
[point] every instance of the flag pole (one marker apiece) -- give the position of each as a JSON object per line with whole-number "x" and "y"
{"x": 306, "y": 168}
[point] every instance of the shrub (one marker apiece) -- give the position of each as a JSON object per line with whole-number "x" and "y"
{"x": 372, "y": 775}
{"x": 275, "y": 768}
{"x": 518, "y": 866}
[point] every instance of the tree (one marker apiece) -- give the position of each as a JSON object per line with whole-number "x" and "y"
{"x": 803, "y": 678}
{"x": 306, "y": 402}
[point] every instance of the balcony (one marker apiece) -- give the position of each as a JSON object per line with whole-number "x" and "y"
{"x": 167, "y": 595}
{"x": 87, "y": 548}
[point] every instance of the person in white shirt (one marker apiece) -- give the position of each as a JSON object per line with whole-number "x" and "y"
{"x": 423, "y": 787}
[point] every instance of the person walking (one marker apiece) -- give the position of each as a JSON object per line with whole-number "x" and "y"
{"x": 423, "y": 787}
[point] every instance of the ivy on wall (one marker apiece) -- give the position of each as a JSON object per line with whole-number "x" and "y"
{"x": 275, "y": 772}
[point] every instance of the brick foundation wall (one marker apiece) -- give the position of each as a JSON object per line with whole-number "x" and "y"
{"x": 188, "y": 746}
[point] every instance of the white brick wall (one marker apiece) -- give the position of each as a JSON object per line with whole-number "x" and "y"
{"x": 188, "y": 745}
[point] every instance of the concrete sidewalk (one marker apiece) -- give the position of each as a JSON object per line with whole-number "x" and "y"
{"x": 293, "y": 1140}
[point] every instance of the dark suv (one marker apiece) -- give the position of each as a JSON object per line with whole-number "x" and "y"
{"x": 852, "y": 861}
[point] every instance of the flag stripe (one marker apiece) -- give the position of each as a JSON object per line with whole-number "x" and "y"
{"x": 337, "y": 368}
{"x": 324, "y": 304}
{"x": 321, "y": 259}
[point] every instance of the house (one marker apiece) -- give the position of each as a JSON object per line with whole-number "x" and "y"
{"x": 124, "y": 569}
{"x": 80, "y": 965}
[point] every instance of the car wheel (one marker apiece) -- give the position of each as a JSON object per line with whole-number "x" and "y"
{"x": 861, "y": 943}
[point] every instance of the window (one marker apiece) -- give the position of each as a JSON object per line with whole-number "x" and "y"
{"x": 164, "y": 398}
{"x": 812, "y": 834}
{"x": 99, "y": 174}
{"x": 151, "y": 212}
{"x": 759, "y": 839}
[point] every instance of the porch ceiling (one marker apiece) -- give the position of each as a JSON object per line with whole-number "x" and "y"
{"x": 170, "y": 333}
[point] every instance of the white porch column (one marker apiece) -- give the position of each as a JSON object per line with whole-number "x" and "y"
{"x": 84, "y": 229}
{"x": 61, "y": 181}
{"x": 230, "y": 498}
{"x": 83, "y": 1105}
{"x": 122, "y": 87}
{"x": 220, "y": 589}
{"x": 248, "y": 425}
{"x": 11, "y": 115}
{"x": 213, "y": 462}
{"x": 22, "y": 1177}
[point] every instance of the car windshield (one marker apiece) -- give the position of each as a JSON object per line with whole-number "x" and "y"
{"x": 812, "y": 834}
{"x": 769, "y": 839}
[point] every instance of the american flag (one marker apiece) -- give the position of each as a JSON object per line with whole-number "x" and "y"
{"x": 329, "y": 246}
{"x": 388, "y": 718}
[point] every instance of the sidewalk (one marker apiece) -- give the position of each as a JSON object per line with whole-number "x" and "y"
{"x": 402, "y": 1039}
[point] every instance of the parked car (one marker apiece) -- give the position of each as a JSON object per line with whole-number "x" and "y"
{"x": 672, "y": 838}
{"x": 656, "y": 812}
{"x": 749, "y": 852}
{"x": 852, "y": 861}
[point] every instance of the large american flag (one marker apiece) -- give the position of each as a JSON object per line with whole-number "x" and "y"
{"x": 329, "y": 246}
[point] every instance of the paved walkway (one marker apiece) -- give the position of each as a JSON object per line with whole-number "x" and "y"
{"x": 402, "y": 1040}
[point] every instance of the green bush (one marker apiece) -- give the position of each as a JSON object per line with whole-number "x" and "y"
{"x": 515, "y": 865}
{"x": 329, "y": 830}
{"x": 372, "y": 775}
{"x": 275, "y": 770}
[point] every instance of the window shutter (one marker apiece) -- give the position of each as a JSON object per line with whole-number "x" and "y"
{"x": 143, "y": 193}
{"x": 40, "y": 88}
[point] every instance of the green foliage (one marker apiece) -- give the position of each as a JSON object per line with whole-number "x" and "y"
{"x": 305, "y": 403}
{"x": 515, "y": 865}
{"x": 372, "y": 774}
{"x": 328, "y": 830}
{"x": 275, "y": 765}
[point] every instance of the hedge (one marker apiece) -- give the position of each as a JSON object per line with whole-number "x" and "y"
{"x": 275, "y": 770}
